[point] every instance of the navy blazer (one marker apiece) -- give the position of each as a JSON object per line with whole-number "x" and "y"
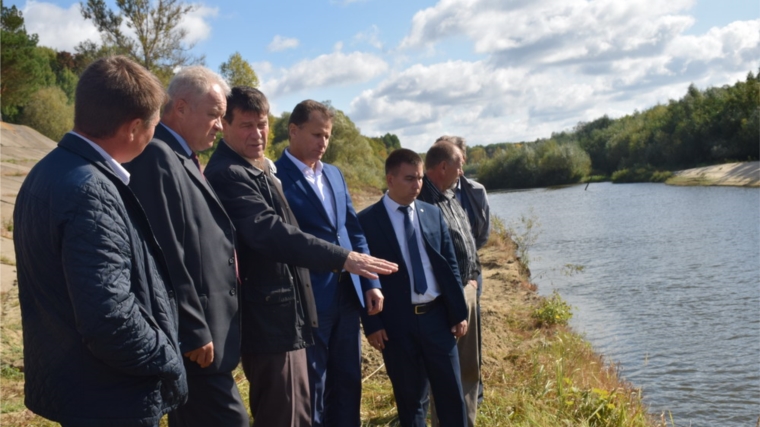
{"x": 397, "y": 307}
{"x": 100, "y": 325}
{"x": 312, "y": 218}
{"x": 198, "y": 240}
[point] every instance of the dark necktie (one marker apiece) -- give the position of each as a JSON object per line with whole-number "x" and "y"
{"x": 418, "y": 272}
{"x": 197, "y": 162}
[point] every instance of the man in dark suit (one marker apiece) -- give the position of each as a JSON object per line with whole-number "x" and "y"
{"x": 319, "y": 198}
{"x": 424, "y": 308}
{"x": 278, "y": 308}
{"x": 198, "y": 239}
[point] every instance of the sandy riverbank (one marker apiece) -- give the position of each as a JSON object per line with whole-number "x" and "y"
{"x": 743, "y": 174}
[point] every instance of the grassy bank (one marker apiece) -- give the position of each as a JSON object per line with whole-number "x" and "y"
{"x": 536, "y": 371}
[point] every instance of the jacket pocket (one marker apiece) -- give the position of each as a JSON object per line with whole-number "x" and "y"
{"x": 273, "y": 287}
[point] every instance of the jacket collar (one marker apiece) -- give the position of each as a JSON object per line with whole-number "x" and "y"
{"x": 78, "y": 145}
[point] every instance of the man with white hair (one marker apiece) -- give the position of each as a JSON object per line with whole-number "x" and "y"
{"x": 198, "y": 240}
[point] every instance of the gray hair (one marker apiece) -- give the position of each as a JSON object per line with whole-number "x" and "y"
{"x": 459, "y": 141}
{"x": 193, "y": 82}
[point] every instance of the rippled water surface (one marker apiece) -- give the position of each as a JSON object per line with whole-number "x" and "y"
{"x": 670, "y": 291}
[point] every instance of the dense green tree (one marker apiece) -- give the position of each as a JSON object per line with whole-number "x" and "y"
{"x": 280, "y": 128}
{"x": 158, "y": 43}
{"x": 238, "y": 72}
{"x": 353, "y": 153}
{"x": 49, "y": 112}
{"x": 25, "y": 68}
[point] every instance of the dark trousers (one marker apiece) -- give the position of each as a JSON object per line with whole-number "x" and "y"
{"x": 213, "y": 400}
{"x": 480, "y": 341}
{"x": 425, "y": 351}
{"x": 335, "y": 362}
{"x": 279, "y": 388}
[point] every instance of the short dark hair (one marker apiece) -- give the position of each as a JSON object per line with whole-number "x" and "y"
{"x": 303, "y": 110}
{"x": 245, "y": 99}
{"x": 399, "y": 157}
{"x": 113, "y": 91}
{"x": 440, "y": 151}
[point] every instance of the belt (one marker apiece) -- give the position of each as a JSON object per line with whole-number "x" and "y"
{"x": 425, "y": 307}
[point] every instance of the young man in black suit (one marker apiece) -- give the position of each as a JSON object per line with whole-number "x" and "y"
{"x": 425, "y": 309}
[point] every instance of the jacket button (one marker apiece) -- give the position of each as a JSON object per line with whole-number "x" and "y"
{"x": 233, "y": 292}
{"x": 232, "y": 260}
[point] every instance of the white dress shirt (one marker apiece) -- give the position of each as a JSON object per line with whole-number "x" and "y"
{"x": 319, "y": 183}
{"x": 110, "y": 161}
{"x": 397, "y": 220}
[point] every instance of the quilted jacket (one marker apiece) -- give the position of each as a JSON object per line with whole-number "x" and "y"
{"x": 99, "y": 325}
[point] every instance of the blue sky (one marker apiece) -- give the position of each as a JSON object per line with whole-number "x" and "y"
{"x": 489, "y": 70}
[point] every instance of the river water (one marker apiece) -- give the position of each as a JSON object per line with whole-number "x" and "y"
{"x": 670, "y": 289}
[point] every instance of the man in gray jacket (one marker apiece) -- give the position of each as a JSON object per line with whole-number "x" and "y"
{"x": 100, "y": 327}
{"x": 472, "y": 196}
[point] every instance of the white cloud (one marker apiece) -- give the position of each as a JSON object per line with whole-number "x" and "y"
{"x": 371, "y": 37}
{"x": 280, "y": 43}
{"x": 63, "y": 29}
{"x": 332, "y": 69}
{"x": 548, "y": 65}
{"x": 196, "y": 23}
{"x": 58, "y": 28}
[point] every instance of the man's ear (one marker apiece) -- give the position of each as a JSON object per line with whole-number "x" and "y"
{"x": 292, "y": 128}
{"x": 181, "y": 106}
{"x": 131, "y": 128}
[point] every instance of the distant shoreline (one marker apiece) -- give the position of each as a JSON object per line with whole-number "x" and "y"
{"x": 742, "y": 174}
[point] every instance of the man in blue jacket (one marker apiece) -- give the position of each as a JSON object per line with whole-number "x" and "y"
{"x": 319, "y": 199}
{"x": 100, "y": 326}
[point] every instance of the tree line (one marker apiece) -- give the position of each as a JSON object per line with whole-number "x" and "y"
{"x": 38, "y": 83}
{"x": 705, "y": 127}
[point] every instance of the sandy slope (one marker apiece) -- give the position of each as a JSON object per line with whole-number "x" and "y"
{"x": 744, "y": 174}
{"x": 20, "y": 148}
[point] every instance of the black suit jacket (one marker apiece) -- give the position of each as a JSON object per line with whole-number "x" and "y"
{"x": 197, "y": 237}
{"x": 397, "y": 307}
{"x": 278, "y": 302}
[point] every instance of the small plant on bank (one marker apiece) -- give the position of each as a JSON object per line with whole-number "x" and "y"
{"x": 553, "y": 311}
{"x": 524, "y": 233}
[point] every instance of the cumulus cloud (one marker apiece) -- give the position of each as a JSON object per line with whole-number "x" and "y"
{"x": 64, "y": 29}
{"x": 196, "y": 23}
{"x": 58, "y": 28}
{"x": 327, "y": 70}
{"x": 371, "y": 37}
{"x": 280, "y": 43}
{"x": 547, "y": 65}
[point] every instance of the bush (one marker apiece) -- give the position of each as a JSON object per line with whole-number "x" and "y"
{"x": 553, "y": 311}
{"x": 49, "y": 113}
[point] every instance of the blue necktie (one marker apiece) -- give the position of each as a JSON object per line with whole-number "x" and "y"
{"x": 418, "y": 272}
